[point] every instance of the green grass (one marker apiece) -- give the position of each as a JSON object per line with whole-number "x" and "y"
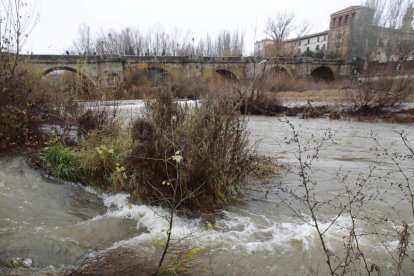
{"x": 66, "y": 163}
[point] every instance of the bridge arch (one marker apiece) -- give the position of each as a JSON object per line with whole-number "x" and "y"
{"x": 59, "y": 68}
{"x": 227, "y": 75}
{"x": 323, "y": 73}
{"x": 88, "y": 84}
{"x": 273, "y": 77}
{"x": 156, "y": 76}
{"x": 280, "y": 70}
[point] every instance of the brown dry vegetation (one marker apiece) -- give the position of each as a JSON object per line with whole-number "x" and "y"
{"x": 24, "y": 107}
{"x": 334, "y": 96}
{"x": 210, "y": 138}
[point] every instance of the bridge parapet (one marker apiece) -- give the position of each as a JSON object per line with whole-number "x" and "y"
{"x": 302, "y": 60}
{"x": 73, "y": 59}
{"x": 184, "y": 59}
{"x": 173, "y": 59}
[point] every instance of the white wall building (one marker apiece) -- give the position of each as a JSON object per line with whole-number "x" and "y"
{"x": 315, "y": 42}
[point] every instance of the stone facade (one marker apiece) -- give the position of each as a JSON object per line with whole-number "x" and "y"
{"x": 335, "y": 42}
{"x": 108, "y": 72}
{"x": 340, "y": 28}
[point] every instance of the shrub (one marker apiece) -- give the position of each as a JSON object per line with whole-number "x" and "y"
{"x": 373, "y": 94}
{"x": 92, "y": 119}
{"x": 24, "y": 106}
{"x": 204, "y": 149}
{"x": 70, "y": 84}
{"x": 212, "y": 141}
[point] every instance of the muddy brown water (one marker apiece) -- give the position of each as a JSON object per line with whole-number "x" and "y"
{"x": 54, "y": 222}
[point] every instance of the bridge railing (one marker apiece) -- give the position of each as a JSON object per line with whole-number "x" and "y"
{"x": 175, "y": 59}
{"x": 297, "y": 60}
{"x": 72, "y": 58}
{"x": 185, "y": 59}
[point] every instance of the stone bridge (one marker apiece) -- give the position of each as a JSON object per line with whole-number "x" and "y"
{"x": 108, "y": 71}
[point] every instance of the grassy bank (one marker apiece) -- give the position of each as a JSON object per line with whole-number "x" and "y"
{"x": 204, "y": 149}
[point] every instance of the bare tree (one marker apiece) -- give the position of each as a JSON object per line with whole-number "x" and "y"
{"x": 84, "y": 42}
{"x": 158, "y": 42}
{"x": 229, "y": 44}
{"x": 303, "y": 28}
{"x": 127, "y": 42}
{"x": 382, "y": 30}
{"x": 16, "y": 23}
{"x": 223, "y": 44}
{"x": 280, "y": 27}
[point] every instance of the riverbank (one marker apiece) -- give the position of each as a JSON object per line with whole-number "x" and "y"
{"x": 336, "y": 104}
{"x": 334, "y": 96}
{"x": 258, "y": 233}
{"x": 174, "y": 160}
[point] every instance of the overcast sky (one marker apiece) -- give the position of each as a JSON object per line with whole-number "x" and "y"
{"x": 58, "y": 20}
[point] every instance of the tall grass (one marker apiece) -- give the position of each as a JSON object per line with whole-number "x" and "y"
{"x": 211, "y": 139}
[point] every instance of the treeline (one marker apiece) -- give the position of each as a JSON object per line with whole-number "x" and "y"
{"x": 131, "y": 41}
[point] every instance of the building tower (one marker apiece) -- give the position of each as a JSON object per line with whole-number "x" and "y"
{"x": 408, "y": 19}
{"x": 340, "y": 29}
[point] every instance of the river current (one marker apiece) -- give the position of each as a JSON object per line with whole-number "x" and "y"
{"x": 267, "y": 231}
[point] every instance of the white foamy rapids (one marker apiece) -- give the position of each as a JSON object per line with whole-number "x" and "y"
{"x": 243, "y": 232}
{"x": 152, "y": 220}
{"x": 90, "y": 190}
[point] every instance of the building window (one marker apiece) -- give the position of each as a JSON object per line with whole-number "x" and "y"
{"x": 324, "y": 38}
{"x": 340, "y": 21}
{"x": 309, "y": 41}
{"x": 346, "y": 19}
{"x": 334, "y": 22}
{"x": 317, "y": 48}
{"x": 299, "y": 42}
{"x": 318, "y": 39}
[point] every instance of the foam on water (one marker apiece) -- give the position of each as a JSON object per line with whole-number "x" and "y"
{"x": 239, "y": 232}
{"x": 236, "y": 232}
{"x": 150, "y": 219}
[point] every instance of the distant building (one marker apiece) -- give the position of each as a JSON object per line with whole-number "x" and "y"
{"x": 340, "y": 40}
{"x": 315, "y": 43}
{"x": 263, "y": 47}
{"x": 340, "y": 29}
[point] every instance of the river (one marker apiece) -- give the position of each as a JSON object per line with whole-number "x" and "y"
{"x": 267, "y": 231}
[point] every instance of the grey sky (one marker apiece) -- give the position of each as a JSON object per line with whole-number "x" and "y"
{"x": 59, "y": 19}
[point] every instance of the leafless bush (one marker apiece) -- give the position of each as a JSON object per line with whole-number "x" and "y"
{"x": 373, "y": 94}
{"x": 353, "y": 199}
{"x": 307, "y": 194}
